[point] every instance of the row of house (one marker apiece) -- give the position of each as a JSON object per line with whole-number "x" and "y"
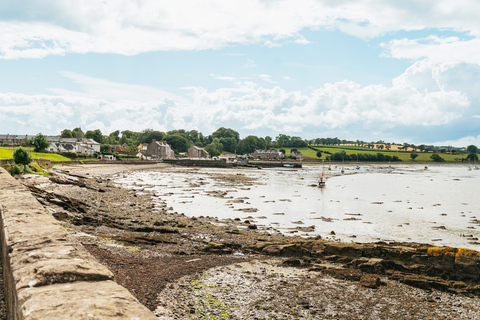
{"x": 153, "y": 150}
{"x": 13, "y": 140}
{"x": 273, "y": 154}
{"x": 83, "y": 145}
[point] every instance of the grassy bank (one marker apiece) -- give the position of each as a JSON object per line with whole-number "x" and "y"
{"x": 402, "y": 155}
{"x": 7, "y": 153}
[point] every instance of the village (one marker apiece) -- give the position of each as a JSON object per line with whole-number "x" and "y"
{"x": 155, "y": 150}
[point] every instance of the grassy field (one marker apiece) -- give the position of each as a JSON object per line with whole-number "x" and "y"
{"x": 403, "y": 155}
{"x": 7, "y": 153}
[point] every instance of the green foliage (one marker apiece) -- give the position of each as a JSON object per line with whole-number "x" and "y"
{"x": 343, "y": 156}
{"x": 95, "y": 135}
{"x": 148, "y": 135}
{"x": 14, "y": 169}
{"x": 250, "y": 144}
{"x": 229, "y": 144}
{"x": 413, "y": 155}
{"x": 40, "y": 142}
{"x": 472, "y": 149}
{"x": 319, "y": 154}
{"x": 22, "y": 157}
{"x": 67, "y": 134}
{"x": 104, "y": 148}
{"x": 283, "y": 140}
{"x": 75, "y": 132}
{"x": 436, "y": 158}
{"x": 215, "y": 148}
{"x": 472, "y": 157}
{"x": 226, "y": 133}
{"x": 177, "y": 142}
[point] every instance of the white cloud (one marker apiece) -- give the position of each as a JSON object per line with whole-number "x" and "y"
{"x": 266, "y": 78}
{"x": 103, "y": 89}
{"x": 126, "y": 27}
{"x": 447, "y": 50}
{"x": 250, "y": 64}
{"x": 462, "y": 142}
{"x": 422, "y": 97}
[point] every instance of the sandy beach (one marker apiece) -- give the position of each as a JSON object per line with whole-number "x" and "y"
{"x": 202, "y": 267}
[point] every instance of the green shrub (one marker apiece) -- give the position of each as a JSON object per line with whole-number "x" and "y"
{"x": 15, "y": 169}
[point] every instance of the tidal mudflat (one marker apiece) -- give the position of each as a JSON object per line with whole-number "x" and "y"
{"x": 438, "y": 205}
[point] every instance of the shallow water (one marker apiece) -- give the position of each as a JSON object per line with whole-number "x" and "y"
{"x": 401, "y": 203}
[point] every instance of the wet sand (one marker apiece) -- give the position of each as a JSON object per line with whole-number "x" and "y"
{"x": 375, "y": 203}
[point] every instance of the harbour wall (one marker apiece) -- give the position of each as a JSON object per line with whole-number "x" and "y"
{"x": 47, "y": 273}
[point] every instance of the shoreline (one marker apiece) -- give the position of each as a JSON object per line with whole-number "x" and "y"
{"x": 121, "y": 228}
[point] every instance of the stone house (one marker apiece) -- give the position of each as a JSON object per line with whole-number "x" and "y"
{"x": 13, "y": 140}
{"x": 160, "y": 150}
{"x": 117, "y": 148}
{"x": 197, "y": 152}
{"x": 298, "y": 155}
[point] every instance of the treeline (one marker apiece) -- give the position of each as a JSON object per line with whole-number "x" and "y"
{"x": 222, "y": 140}
{"x": 228, "y": 140}
{"x": 370, "y": 157}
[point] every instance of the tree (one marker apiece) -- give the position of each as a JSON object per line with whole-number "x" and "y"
{"x": 251, "y": 143}
{"x": 472, "y": 157}
{"x": 319, "y": 154}
{"x": 436, "y": 158}
{"x": 268, "y": 142}
{"x": 472, "y": 149}
{"x": 40, "y": 142}
{"x": 413, "y": 155}
{"x": 75, "y": 132}
{"x": 282, "y": 140}
{"x": 215, "y": 148}
{"x": 67, "y": 134}
{"x": 104, "y": 148}
{"x": 23, "y": 157}
{"x": 177, "y": 142}
{"x": 229, "y": 144}
{"x": 148, "y": 135}
{"x": 95, "y": 135}
{"x": 226, "y": 133}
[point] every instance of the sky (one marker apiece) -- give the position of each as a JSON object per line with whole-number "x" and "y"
{"x": 398, "y": 71}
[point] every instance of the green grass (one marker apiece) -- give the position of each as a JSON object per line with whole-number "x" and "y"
{"x": 7, "y": 153}
{"x": 402, "y": 155}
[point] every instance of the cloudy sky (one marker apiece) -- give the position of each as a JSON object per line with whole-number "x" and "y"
{"x": 400, "y": 71}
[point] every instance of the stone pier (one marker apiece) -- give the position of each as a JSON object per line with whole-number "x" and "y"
{"x": 47, "y": 273}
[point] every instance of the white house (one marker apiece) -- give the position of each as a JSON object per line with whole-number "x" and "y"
{"x": 84, "y": 145}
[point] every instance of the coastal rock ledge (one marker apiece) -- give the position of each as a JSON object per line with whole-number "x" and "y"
{"x": 421, "y": 265}
{"x": 48, "y": 275}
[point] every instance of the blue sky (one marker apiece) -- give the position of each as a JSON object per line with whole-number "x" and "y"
{"x": 404, "y": 71}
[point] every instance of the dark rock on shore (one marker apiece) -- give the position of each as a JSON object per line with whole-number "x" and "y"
{"x": 421, "y": 265}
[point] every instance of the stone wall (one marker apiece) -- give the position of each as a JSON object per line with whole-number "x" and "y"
{"x": 41, "y": 162}
{"x": 47, "y": 273}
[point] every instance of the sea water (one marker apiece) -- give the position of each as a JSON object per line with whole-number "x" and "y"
{"x": 438, "y": 205}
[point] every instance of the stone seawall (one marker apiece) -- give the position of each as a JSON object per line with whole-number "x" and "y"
{"x": 47, "y": 273}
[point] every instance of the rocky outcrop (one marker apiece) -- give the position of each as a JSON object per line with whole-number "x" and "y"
{"x": 48, "y": 274}
{"x": 420, "y": 265}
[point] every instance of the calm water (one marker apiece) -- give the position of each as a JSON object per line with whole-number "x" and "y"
{"x": 403, "y": 203}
